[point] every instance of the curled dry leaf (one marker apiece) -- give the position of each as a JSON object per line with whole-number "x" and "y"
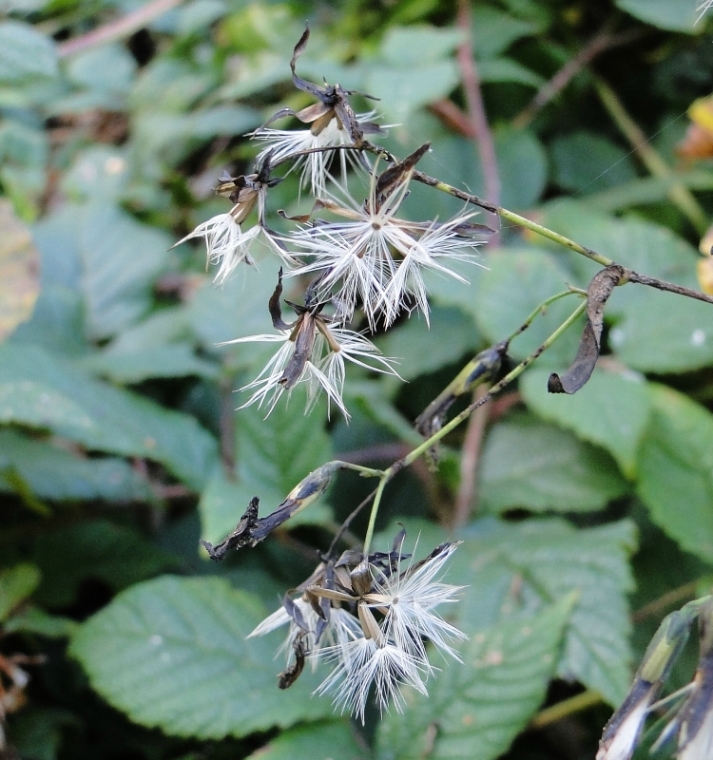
{"x": 598, "y": 292}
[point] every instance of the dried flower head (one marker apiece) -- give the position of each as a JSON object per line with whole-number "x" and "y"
{"x": 313, "y": 351}
{"x": 623, "y": 731}
{"x": 333, "y": 124}
{"x": 693, "y": 722}
{"x": 376, "y": 257}
{"x": 227, "y": 245}
{"x": 367, "y": 618}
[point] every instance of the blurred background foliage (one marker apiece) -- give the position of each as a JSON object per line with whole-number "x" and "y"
{"x": 591, "y": 516}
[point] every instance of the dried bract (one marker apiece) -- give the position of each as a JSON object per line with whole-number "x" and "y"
{"x": 333, "y": 124}
{"x": 227, "y": 245}
{"x": 367, "y": 619}
{"x": 313, "y": 351}
{"x": 375, "y": 257}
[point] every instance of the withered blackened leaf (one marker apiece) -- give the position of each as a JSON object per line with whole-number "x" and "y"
{"x": 483, "y": 368}
{"x": 274, "y": 306}
{"x": 396, "y": 173}
{"x": 240, "y": 537}
{"x": 598, "y": 292}
{"x": 293, "y": 671}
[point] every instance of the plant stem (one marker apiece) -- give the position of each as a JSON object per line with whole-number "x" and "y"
{"x": 115, "y": 30}
{"x": 567, "y": 707}
{"x": 511, "y": 216}
{"x": 512, "y": 375}
{"x": 657, "y": 606}
{"x": 476, "y": 108}
{"x": 541, "y": 307}
{"x": 603, "y": 40}
{"x": 472, "y": 446}
{"x": 680, "y": 195}
{"x": 375, "y": 509}
{"x": 365, "y": 472}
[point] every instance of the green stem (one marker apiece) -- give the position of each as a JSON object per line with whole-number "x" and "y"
{"x": 567, "y": 707}
{"x": 511, "y": 216}
{"x": 522, "y": 221}
{"x": 541, "y": 307}
{"x": 365, "y": 472}
{"x": 679, "y": 194}
{"x": 512, "y": 375}
{"x": 374, "y": 510}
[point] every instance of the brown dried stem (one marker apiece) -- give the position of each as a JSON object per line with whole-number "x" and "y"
{"x": 117, "y": 29}
{"x": 476, "y": 107}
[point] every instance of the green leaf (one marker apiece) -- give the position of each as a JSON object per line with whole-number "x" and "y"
{"x": 116, "y": 281}
{"x": 369, "y": 400}
{"x": 42, "y": 390}
{"x": 653, "y": 331}
{"x": 54, "y": 473}
{"x": 679, "y": 16}
{"x": 172, "y": 653}
{"x": 98, "y": 173}
{"x": 612, "y": 410}
{"x": 25, "y": 53}
{"x": 281, "y": 450}
{"x": 96, "y": 549}
{"x": 107, "y": 71}
{"x": 476, "y": 708}
{"x": 493, "y": 31}
{"x": 315, "y": 741}
{"x": 507, "y": 70}
{"x": 537, "y": 562}
{"x": 274, "y": 454}
{"x": 516, "y": 282}
{"x": 529, "y": 464}
{"x": 169, "y": 136}
{"x": 643, "y": 190}
{"x": 236, "y": 309}
{"x": 676, "y": 470}
{"x": 94, "y": 247}
{"x": 515, "y": 149}
{"x": 405, "y": 89}
{"x": 37, "y": 621}
{"x": 177, "y": 360}
{"x": 16, "y": 584}
{"x": 405, "y": 46}
{"x": 586, "y": 163}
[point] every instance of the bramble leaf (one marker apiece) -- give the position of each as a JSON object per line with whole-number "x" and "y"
{"x": 173, "y": 654}
{"x": 477, "y": 707}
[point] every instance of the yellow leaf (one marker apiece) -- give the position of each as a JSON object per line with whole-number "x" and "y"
{"x": 19, "y": 271}
{"x": 701, "y": 113}
{"x": 704, "y": 270}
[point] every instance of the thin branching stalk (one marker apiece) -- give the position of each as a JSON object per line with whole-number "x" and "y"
{"x": 680, "y": 195}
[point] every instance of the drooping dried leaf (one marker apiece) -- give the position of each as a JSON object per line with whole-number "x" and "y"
{"x": 598, "y": 292}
